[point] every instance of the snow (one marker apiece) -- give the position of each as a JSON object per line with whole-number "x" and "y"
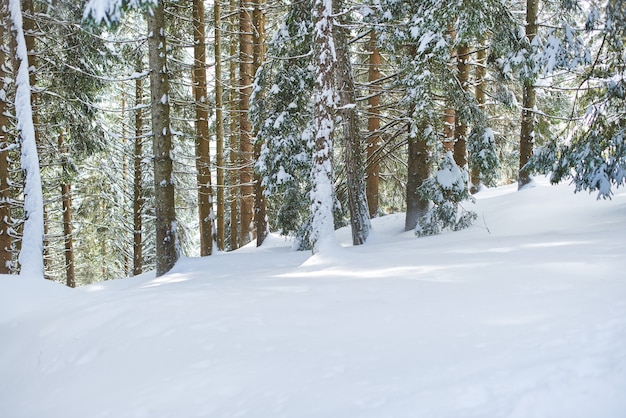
{"x": 523, "y": 315}
{"x": 31, "y": 253}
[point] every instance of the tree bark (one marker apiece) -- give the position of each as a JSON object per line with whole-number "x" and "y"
{"x": 166, "y": 240}
{"x": 527, "y": 131}
{"x": 66, "y": 199}
{"x": 233, "y": 137}
{"x": 203, "y": 159}
{"x": 322, "y": 196}
{"x": 357, "y": 200}
{"x": 219, "y": 127}
{"x": 449, "y": 119}
{"x": 260, "y": 208}
{"x": 138, "y": 198}
{"x": 6, "y": 254}
{"x": 460, "y": 144}
{"x": 374, "y": 142}
{"x": 246, "y": 151}
{"x": 479, "y": 93}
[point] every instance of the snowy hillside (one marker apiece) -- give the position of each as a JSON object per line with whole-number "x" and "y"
{"x": 523, "y": 315}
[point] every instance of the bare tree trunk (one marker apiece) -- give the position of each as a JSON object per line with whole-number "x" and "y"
{"x": 460, "y": 145}
{"x": 479, "y": 93}
{"x": 203, "y": 159}
{"x": 357, "y": 200}
{"x": 66, "y": 199}
{"x": 527, "y": 131}
{"x": 219, "y": 126}
{"x": 232, "y": 140}
{"x": 449, "y": 119}
{"x": 260, "y": 209}
{"x": 246, "y": 151}
{"x": 166, "y": 240}
{"x": 6, "y": 254}
{"x": 374, "y": 142}
{"x": 138, "y": 198}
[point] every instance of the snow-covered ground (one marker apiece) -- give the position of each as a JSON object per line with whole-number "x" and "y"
{"x": 523, "y": 315}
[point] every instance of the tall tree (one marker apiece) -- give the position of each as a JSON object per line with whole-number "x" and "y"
{"x": 6, "y": 254}
{"x": 219, "y": 127}
{"x": 374, "y": 142}
{"x": 203, "y": 160}
{"x": 246, "y": 148}
{"x": 324, "y": 99}
{"x": 166, "y": 238}
{"x": 527, "y": 131}
{"x": 66, "y": 199}
{"x": 138, "y": 192}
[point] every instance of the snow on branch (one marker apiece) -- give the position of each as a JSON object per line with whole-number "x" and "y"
{"x": 110, "y": 11}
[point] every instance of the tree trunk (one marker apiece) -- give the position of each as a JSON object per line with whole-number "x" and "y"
{"x": 527, "y": 131}
{"x": 449, "y": 119}
{"x": 6, "y": 254}
{"x": 31, "y": 253}
{"x": 322, "y": 197}
{"x": 232, "y": 140}
{"x": 260, "y": 209}
{"x": 246, "y": 151}
{"x": 479, "y": 93}
{"x": 374, "y": 142}
{"x": 138, "y": 198}
{"x": 66, "y": 199}
{"x": 357, "y": 200}
{"x": 219, "y": 127}
{"x": 203, "y": 159}
{"x": 418, "y": 170}
{"x": 460, "y": 144}
{"x": 166, "y": 240}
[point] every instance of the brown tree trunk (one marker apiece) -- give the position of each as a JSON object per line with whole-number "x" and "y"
{"x": 219, "y": 127}
{"x": 460, "y": 145}
{"x": 138, "y": 198}
{"x": 527, "y": 131}
{"x": 246, "y": 151}
{"x": 166, "y": 240}
{"x": 479, "y": 93}
{"x": 357, "y": 200}
{"x": 6, "y": 254}
{"x": 449, "y": 119}
{"x": 260, "y": 209}
{"x": 374, "y": 142}
{"x": 203, "y": 159}
{"x": 66, "y": 199}
{"x": 232, "y": 140}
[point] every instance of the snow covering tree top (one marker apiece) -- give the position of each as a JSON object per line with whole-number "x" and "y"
{"x": 110, "y": 11}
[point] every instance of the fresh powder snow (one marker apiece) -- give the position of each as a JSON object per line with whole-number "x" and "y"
{"x": 522, "y": 315}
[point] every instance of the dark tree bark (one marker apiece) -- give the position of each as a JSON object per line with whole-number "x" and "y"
{"x": 479, "y": 93}
{"x": 66, "y": 199}
{"x": 246, "y": 150}
{"x": 374, "y": 142}
{"x": 219, "y": 128}
{"x": 357, "y": 200}
{"x": 260, "y": 209}
{"x": 203, "y": 159}
{"x": 460, "y": 144}
{"x": 166, "y": 240}
{"x": 6, "y": 254}
{"x": 233, "y": 137}
{"x": 138, "y": 198}
{"x": 527, "y": 131}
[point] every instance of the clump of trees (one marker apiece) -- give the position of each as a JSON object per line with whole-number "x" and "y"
{"x": 165, "y": 128}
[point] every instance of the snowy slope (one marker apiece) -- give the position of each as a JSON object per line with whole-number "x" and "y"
{"x": 523, "y": 315}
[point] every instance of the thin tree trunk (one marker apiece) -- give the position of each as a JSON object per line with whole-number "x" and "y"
{"x": 357, "y": 200}
{"x": 260, "y": 209}
{"x": 203, "y": 159}
{"x": 460, "y": 145}
{"x": 527, "y": 131}
{"x": 246, "y": 151}
{"x": 6, "y": 254}
{"x": 166, "y": 240}
{"x": 232, "y": 140}
{"x": 66, "y": 199}
{"x": 138, "y": 198}
{"x": 219, "y": 126}
{"x": 374, "y": 142}
{"x": 479, "y": 93}
{"x": 449, "y": 119}
{"x": 322, "y": 196}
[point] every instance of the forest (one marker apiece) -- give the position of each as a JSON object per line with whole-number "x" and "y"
{"x": 134, "y": 132}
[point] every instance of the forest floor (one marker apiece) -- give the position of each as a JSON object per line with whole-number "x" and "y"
{"x": 522, "y": 315}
